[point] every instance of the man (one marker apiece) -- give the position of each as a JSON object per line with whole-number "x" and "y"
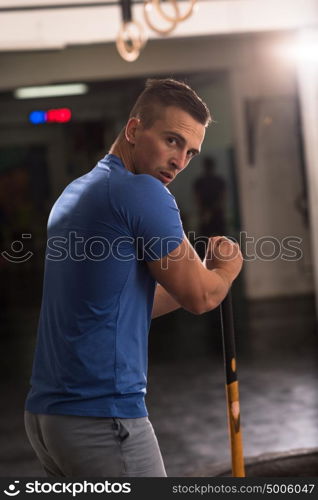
{"x": 210, "y": 194}
{"x": 85, "y": 413}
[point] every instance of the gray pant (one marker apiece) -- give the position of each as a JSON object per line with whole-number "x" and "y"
{"x": 74, "y": 446}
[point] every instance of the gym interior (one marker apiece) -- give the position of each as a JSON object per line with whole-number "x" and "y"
{"x": 263, "y": 142}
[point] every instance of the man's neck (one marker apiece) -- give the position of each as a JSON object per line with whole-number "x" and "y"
{"x": 123, "y": 149}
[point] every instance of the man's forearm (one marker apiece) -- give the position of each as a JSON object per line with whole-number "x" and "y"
{"x": 163, "y": 303}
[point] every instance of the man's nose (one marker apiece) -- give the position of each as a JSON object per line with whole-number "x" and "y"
{"x": 179, "y": 162}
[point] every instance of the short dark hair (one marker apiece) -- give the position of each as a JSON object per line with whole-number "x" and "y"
{"x": 161, "y": 93}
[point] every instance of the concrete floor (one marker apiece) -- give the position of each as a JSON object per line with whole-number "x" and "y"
{"x": 277, "y": 347}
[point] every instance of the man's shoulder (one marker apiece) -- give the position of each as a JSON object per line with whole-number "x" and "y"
{"x": 141, "y": 185}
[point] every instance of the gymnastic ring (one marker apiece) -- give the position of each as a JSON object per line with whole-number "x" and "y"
{"x": 128, "y": 46}
{"x": 148, "y": 5}
{"x": 158, "y": 6}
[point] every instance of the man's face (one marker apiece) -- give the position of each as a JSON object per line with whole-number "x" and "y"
{"x": 166, "y": 148}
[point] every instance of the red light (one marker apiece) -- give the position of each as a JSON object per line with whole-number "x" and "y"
{"x": 61, "y": 115}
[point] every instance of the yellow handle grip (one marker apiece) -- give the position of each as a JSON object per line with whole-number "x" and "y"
{"x": 233, "y": 412}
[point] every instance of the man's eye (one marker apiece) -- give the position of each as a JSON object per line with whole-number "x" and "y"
{"x": 172, "y": 140}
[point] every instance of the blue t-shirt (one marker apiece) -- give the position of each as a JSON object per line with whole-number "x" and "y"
{"x": 91, "y": 351}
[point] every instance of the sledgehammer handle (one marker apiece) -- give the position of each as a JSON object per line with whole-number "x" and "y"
{"x": 231, "y": 387}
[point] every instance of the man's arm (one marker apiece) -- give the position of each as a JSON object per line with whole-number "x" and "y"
{"x": 163, "y": 302}
{"x": 197, "y": 286}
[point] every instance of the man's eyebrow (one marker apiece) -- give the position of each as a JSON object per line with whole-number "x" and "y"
{"x": 182, "y": 139}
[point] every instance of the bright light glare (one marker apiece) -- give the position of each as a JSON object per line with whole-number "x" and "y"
{"x": 305, "y": 52}
{"x": 50, "y": 91}
{"x": 305, "y": 49}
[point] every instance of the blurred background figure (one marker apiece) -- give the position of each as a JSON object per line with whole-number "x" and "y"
{"x": 210, "y": 196}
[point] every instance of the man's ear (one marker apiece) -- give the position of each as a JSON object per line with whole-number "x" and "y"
{"x": 131, "y": 128}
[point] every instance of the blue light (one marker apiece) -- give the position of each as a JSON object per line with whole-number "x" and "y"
{"x": 37, "y": 117}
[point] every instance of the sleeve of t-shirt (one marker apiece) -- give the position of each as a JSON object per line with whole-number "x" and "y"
{"x": 153, "y": 217}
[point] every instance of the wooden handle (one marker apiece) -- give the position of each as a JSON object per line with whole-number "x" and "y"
{"x": 231, "y": 388}
{"x": 234, "y": 424}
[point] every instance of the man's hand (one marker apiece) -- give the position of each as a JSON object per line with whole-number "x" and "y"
{"x": 225, "y": 255}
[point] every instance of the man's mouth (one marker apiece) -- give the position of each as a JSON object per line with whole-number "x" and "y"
{"x": 165, "y": 177}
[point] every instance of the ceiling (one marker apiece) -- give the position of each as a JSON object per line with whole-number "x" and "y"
{"x": 56, "y": 24}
